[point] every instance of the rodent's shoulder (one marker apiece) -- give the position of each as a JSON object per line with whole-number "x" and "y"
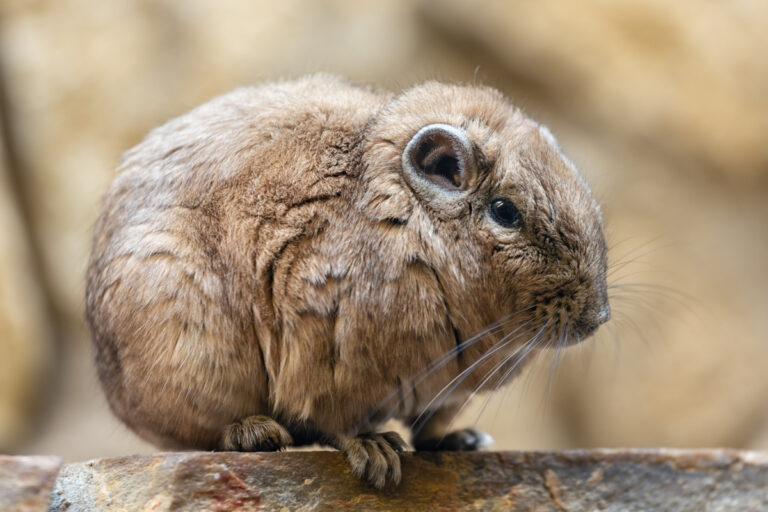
{"x": 436, "y": 102}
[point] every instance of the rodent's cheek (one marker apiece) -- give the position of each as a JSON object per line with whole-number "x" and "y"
{"x": 502, "y": 235}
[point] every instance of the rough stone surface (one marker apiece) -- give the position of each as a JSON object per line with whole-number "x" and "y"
{"x": 26, "y": 482}
{"x": 673, "y": 481}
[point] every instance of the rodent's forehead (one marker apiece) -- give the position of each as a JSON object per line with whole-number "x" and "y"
{"x": 526, "y": 154}
{"x": 529, "y": 168}
{"x": 481, "y": 111}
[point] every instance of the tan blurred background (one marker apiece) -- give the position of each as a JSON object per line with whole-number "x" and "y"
{"x": 663, "y": 105}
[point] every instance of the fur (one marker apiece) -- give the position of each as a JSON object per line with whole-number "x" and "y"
{"x": 266, "y": 255}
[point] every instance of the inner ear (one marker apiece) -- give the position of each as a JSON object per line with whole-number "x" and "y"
{"x": 442, "y": 155}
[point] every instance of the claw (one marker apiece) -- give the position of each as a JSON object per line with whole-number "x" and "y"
{"x": 374, "y": 457}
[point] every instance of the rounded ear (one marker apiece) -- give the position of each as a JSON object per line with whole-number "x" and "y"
{"x": 441, "y": 155}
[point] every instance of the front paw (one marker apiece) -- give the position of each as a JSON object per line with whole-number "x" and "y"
{"x": 255, "y": 434}
{"x": 468, "y": 439}
{"x": 374, "y": 457}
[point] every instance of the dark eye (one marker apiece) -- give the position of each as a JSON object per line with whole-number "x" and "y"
{"x": 505, "y": 213}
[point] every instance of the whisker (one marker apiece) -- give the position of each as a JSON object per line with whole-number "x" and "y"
{"x": 636, "y": 300}
{"x": 638, "y": 257}
{"x": 421, "y": 419}
{"x": 560, "y": 344}
{"x": 633, "y": 258}
{"x": 629, "y": 321}
{"x": 656, "y": 288}
{"x": 527, "y": 349}
{"x": 654, "y": 300}
{"x": 613, "y": 245}
{"x": 632, "y": 252}
{"x": 614, "y": 268}
{"x": 418, "y": 378}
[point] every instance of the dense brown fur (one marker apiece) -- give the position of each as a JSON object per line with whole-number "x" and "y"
{"x": 264, "y": 268}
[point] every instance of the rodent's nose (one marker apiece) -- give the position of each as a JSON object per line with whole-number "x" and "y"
{"x": 604, "y": 314}
{"x": 592, "y": 318}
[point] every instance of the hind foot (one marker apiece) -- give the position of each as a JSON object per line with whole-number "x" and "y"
{"x": 255, "y": 434}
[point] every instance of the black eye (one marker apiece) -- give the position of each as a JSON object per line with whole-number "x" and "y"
{"x": 505, "y": 213}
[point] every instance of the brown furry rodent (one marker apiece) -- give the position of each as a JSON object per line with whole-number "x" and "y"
{"x": 298, "y": 262}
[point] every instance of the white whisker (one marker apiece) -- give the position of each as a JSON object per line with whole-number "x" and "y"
{"x": 456, "y": 381}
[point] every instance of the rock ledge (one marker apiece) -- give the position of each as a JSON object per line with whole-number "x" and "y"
{"x": 612, "y": 480}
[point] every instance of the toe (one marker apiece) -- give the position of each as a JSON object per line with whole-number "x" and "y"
{"x": 230, "y": 438}
{"x": 390, "y": 453}
{"x": 395, "y": 441}
{"x": 278, "y": 435}
{"x": 378, "y": 468}
{"x": 357, "y": 457}
{"x": 373, "y": 457}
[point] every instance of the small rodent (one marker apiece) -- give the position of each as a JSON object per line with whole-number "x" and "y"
{"x": 300, "y": 261}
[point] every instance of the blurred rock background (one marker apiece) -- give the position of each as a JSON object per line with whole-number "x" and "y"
{"x": 663, "y": 105}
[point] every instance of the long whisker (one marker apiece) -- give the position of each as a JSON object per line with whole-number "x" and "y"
{"x": 643, "y": 295}
{"x": 633, "y": 258}
{"x": 615, "y": 244}
{"x": 560, "y": 344}
{"x": 421, "y": 419}
{"x": 418, "y": 378}
{"x": 615, "y": 267}
{"x": 526, "y": 348}
{"x": 625, "y": 259}
{"x": 632, "y": 253}
{"x": 653, "y": 287}
{"x": 634, "y": 299}
{"x": 627, "y": 320}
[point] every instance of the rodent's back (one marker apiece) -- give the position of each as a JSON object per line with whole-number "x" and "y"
{"x": 181, "y": 278}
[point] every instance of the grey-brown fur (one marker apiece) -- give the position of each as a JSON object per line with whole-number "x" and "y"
{"x": 267, "y": 270}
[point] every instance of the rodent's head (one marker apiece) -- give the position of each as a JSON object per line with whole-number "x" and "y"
{"x": 485, "y": 197}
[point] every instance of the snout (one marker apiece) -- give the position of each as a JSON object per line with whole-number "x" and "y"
{"x": 604, "y": 314}
{"x": 593, "y": 315}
